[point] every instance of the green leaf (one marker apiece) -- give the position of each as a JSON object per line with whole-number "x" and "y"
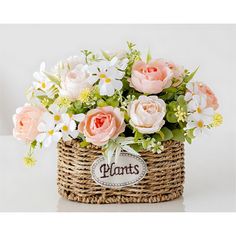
{"x": 101, "y": 103}
{"x": 189, "y": 140}
{"x": 136, "y": 147}
{"x": 53, "y": 78}
{"x": 172, "y": 105}
{"x": 106, "y": 55}
{"x": 167, "y": 133}
{"x": 112, "y": 102}
{"x": 170, "y": 117}
{"x": 33, "y": 144}
{"x": 163, "y": 135}
{"x": 170, "y": 90}
{"x": 178, "y": 135}
{"x": 137, "y": 136}
{"x": 181, "y": 100}
{"x": 189, "y": 77}
{"x": 149, "y": 57}
{"x": 83, "y": 144}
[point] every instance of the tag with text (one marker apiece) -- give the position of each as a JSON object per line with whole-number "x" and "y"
{"x": 127, "y": 170}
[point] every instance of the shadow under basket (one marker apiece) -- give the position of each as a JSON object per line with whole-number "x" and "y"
{"x": 163, "y": 181}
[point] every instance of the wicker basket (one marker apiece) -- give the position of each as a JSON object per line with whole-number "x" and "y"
{"x": 163, "y": 181}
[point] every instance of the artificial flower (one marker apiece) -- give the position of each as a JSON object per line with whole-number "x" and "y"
{"x": 102, "y": 124}
{"x": 64, "y": 67}
{"x": 177, "y": 73}
{"x": 108, "y": 75}
{"x": 192, "y": 90}
{"x": 49, "y": 131}
{"x": 217, "y": 120}
{"x": 198, "y": 105}
{"x": 74, "y": 82}
{"x": 147, "y": 114}
{"x": 180, "y": 113}
{"x": 211, "y": 98}
{"x": 150, "y": 78}
{"x": 68, "y": 128}
{"x": 57, "y": 112}
{"x": 42, "y": 82}
{"x": 26, "y": 121}
{"x": 198, "y": 123}
{"x": 29, "y": 161}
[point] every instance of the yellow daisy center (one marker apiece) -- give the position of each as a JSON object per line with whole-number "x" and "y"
{"x": 199, "y": 110}
{"x": 57, "y": 117}
{"x": 65, "y": 128}
{"x": 107, "y": 80}
{"x": 102, "y": 76}
{"x": 51, "y": 132}
{"x": 200, "y": 124}
{"x": 43, "y": 84}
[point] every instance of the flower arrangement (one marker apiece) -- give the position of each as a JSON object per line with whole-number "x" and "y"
{"x": 117, "y": 101}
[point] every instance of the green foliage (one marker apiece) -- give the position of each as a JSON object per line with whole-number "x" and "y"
{"x": 164, "y": 134}
{"x": 178, "y": 135}
{"x": 188, "y": 76}
{"x": 87, "y": 53}
{"x": 83, "y": 144}
{"x": 149, "y": 57}
{"x": 133, "y": 55}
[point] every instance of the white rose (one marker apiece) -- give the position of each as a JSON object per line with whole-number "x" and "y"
{"x": 75, "y": 82}
{"x": 147, "y": 113}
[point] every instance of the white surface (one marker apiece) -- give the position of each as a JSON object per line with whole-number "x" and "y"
{"x": 210, "y": 181}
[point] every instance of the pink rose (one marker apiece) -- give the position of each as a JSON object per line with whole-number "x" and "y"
{"x": 211, "y": 98}
{"x": 150, "y": 78}
{"x": 178, "y": 72}
{"x": 147, "y": 113}
{"x": 26, "y": 121}
{"x": 102, "y": 124}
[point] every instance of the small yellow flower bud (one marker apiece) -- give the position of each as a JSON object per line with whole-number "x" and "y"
{"x": 29, "y": 161}
{"x": 217, "y": 120}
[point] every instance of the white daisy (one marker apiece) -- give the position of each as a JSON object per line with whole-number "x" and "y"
{"x": 109, "y": 76}
{"x": 48, "y": 131}
{"x": 42, "y": 82}
{"x": 68, "y": 128}
{"x": 199, "y": 124}
{"x": 198, "y": 105}
{"x": 57, "y": 112}
{"x": 78, "y": 117}
{"x": 192, "y": 89}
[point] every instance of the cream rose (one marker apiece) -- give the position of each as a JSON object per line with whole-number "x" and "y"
{"x": 102, "y": 124}
{"x": 74, "y": 82}
{"x": 26, "y": 121}
{"x": 147, "y": 113}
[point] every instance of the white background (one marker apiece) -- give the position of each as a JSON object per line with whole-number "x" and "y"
{"x": 210, "y": 161}
{"x": 154, "y": 11}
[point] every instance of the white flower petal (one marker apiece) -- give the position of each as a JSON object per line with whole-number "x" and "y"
{"x": 47, "y": 142}
{"x": 41, "y": 137}
{"x": 72, "y": 125}
{"x": 92, "y": 79}
{"x": 79, "y": 117}
{"x": 107, "y": 89}
{"x": 57, "y": 136}
{"x": 117, "y": 84}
